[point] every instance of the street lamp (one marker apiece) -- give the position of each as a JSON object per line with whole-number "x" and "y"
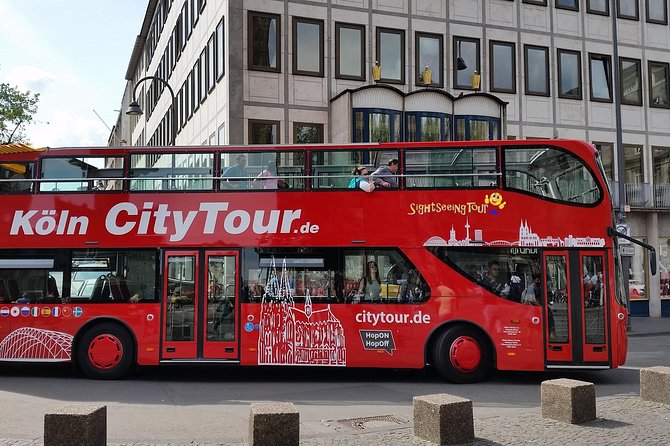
{"x": 134, "y": 108}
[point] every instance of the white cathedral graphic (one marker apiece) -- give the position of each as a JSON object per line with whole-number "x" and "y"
{"x": 288, "y": 335}
{"x": 526, "y": 238}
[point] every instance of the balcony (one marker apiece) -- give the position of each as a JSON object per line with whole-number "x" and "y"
{"x": 662, "y": 196}
{"x": 641, "y": 196}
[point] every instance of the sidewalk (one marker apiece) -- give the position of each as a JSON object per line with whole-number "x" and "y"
{"x": 649, "y": 326}
{"x": 620, "y": 420}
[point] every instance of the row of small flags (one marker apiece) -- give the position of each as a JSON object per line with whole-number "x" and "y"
{"x": 43, "y": 311}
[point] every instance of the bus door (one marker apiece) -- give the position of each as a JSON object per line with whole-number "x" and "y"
{"x": 200, "y": 305}
{"x": 575, "y": 307}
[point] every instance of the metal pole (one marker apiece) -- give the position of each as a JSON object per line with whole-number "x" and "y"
{"x": 621, "y": 171}
{"x": 174, "y": 100}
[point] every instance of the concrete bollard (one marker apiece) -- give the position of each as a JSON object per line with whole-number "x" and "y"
{"x": 568, "y": 400}
{"x": 443, "y": 419}
{"x": 274, "y": 424}
{"x": 76, "y": 425}
{"x": 655, "y": 384}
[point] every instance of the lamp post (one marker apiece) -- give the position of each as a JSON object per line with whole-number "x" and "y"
{"x": 134, "y": 108}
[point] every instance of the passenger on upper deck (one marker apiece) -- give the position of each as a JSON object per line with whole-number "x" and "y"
{"x": 237, "y": 173}
{"x": 385, "y": 177}
{"x": 361, "y": 180}
{"x": 268, "y": 177}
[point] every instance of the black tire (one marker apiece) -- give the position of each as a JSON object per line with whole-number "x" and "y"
{"x": 106, "y": 351}
{"x": 462, "y": 355}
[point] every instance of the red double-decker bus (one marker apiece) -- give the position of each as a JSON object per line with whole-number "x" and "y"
{"x": 479, "y": 255}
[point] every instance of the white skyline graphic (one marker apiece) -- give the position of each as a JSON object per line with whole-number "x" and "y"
{"x": 527, "y": 238}
{"x": 34, "y": 343}
{"x": 290, "y": 336}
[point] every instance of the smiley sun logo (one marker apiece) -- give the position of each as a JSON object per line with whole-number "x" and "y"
{"x": 496, "y": 201}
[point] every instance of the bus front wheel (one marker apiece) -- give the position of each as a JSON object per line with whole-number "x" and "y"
{"x": 461, "y": 355}
{"x": 106, "y": 351}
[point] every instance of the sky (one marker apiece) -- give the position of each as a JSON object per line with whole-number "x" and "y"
{"x": 75, "y": 53}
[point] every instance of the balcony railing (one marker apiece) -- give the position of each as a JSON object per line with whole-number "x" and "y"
{"x": 662, "y": 195}
{"x": 639, "y": 195}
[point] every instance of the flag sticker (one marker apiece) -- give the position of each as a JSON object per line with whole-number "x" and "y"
{"x": 35, "y": 311}
{"x": 14, "y": 311}
{"x": 4, "y": 311}
{"x": 25, "y": 311}
{"x": 46, "y": 311}
{"x": 67, "y": 311}
{"x": 77, "y": 311}
{"x": 55, "y": 311}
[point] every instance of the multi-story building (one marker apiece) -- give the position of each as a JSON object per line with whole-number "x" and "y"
{"x": 277, "y": 71}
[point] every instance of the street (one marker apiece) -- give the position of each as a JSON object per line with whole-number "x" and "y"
{"x": 210, "y": 404}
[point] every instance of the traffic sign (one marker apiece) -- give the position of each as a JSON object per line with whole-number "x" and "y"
{"x": 627, "y": 250}
{"x": 623, "y": 228}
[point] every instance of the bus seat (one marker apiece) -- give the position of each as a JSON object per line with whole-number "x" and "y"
{"x": 4, "y": 294}
{"x": 118, "y": 288}
{"x": 52, "y": 288}
{"x": 13, "y": 289}
{"x": 100, "y": 289}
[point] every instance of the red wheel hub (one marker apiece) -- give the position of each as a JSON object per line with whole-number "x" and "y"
{"x": 105, "y": 351}
{"x": 465, "y": 354}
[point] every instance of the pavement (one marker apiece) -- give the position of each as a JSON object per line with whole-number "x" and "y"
{"x": 622, "y": 419}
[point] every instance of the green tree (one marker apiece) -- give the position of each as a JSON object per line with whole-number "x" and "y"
{"x": 17, "y": 110}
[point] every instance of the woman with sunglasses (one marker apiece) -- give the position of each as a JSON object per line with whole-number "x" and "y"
{"x": 361, "y": 180}
{"x": 370, "y": 286}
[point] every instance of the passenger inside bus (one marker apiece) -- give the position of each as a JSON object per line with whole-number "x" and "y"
{"x": 385, "y": 176}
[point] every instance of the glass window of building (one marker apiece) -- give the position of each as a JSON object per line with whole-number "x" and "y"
{"x": 429, "y": 56}
{"x": 661, "y": 167}
{"x": 601, "y": 77}
{"x": 421, "y": 126}
{"x": 633, "y": 166}
{"x": 204, "y": 69}
{"x": 221, "y": 134}
{"x": 503, "y": 67}
{"x": 568, "y": 4}
{"x": 659, "y": 84}
{"x": 657, "y": 11}
{"x": 628, "y": 9}
{"x": 307, "y": 133}
{"x": 220, "y": 50}
{"x": 536, "y": 2}
{"x": 350, "y": 51}
{"x": 606, "y": 151}
{"x": 196, "y": 85}
{"x": 307, "y": 47}
{"x": 377, "y": 125}
{"x": 264, "y": 41}
{"x": 467, "y": 50}
{"x": 211, "y": 66}
{"x": 569, "y": 74}
{"x": 391, "y": 55}
{"x": 537, "y": 70}
{"x": 631, "y": 91}
{"x": 598, "y": 7}
{"x": 263, "y": 132}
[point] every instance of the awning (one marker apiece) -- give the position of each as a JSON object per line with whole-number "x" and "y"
{"x": 10, "y": 149}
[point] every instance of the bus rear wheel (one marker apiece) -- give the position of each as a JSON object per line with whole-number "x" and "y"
{"x": 106, "y": 351}
{"x": 461, "y": 355}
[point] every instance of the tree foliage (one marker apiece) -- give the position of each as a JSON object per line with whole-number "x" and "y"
{"x": 17, "y": 110}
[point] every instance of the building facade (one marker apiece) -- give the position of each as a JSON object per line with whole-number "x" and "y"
{"x": 271, "y": 71}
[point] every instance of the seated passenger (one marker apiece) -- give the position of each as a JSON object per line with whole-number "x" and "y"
{"x": 385, "y": 177}
{"x": 361, "y": 180}
{"x": 491, "y": 280}
{"x": 268, "y": 177}
{"x": 370, "y": 285}
{"x": 237, "y": 174}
